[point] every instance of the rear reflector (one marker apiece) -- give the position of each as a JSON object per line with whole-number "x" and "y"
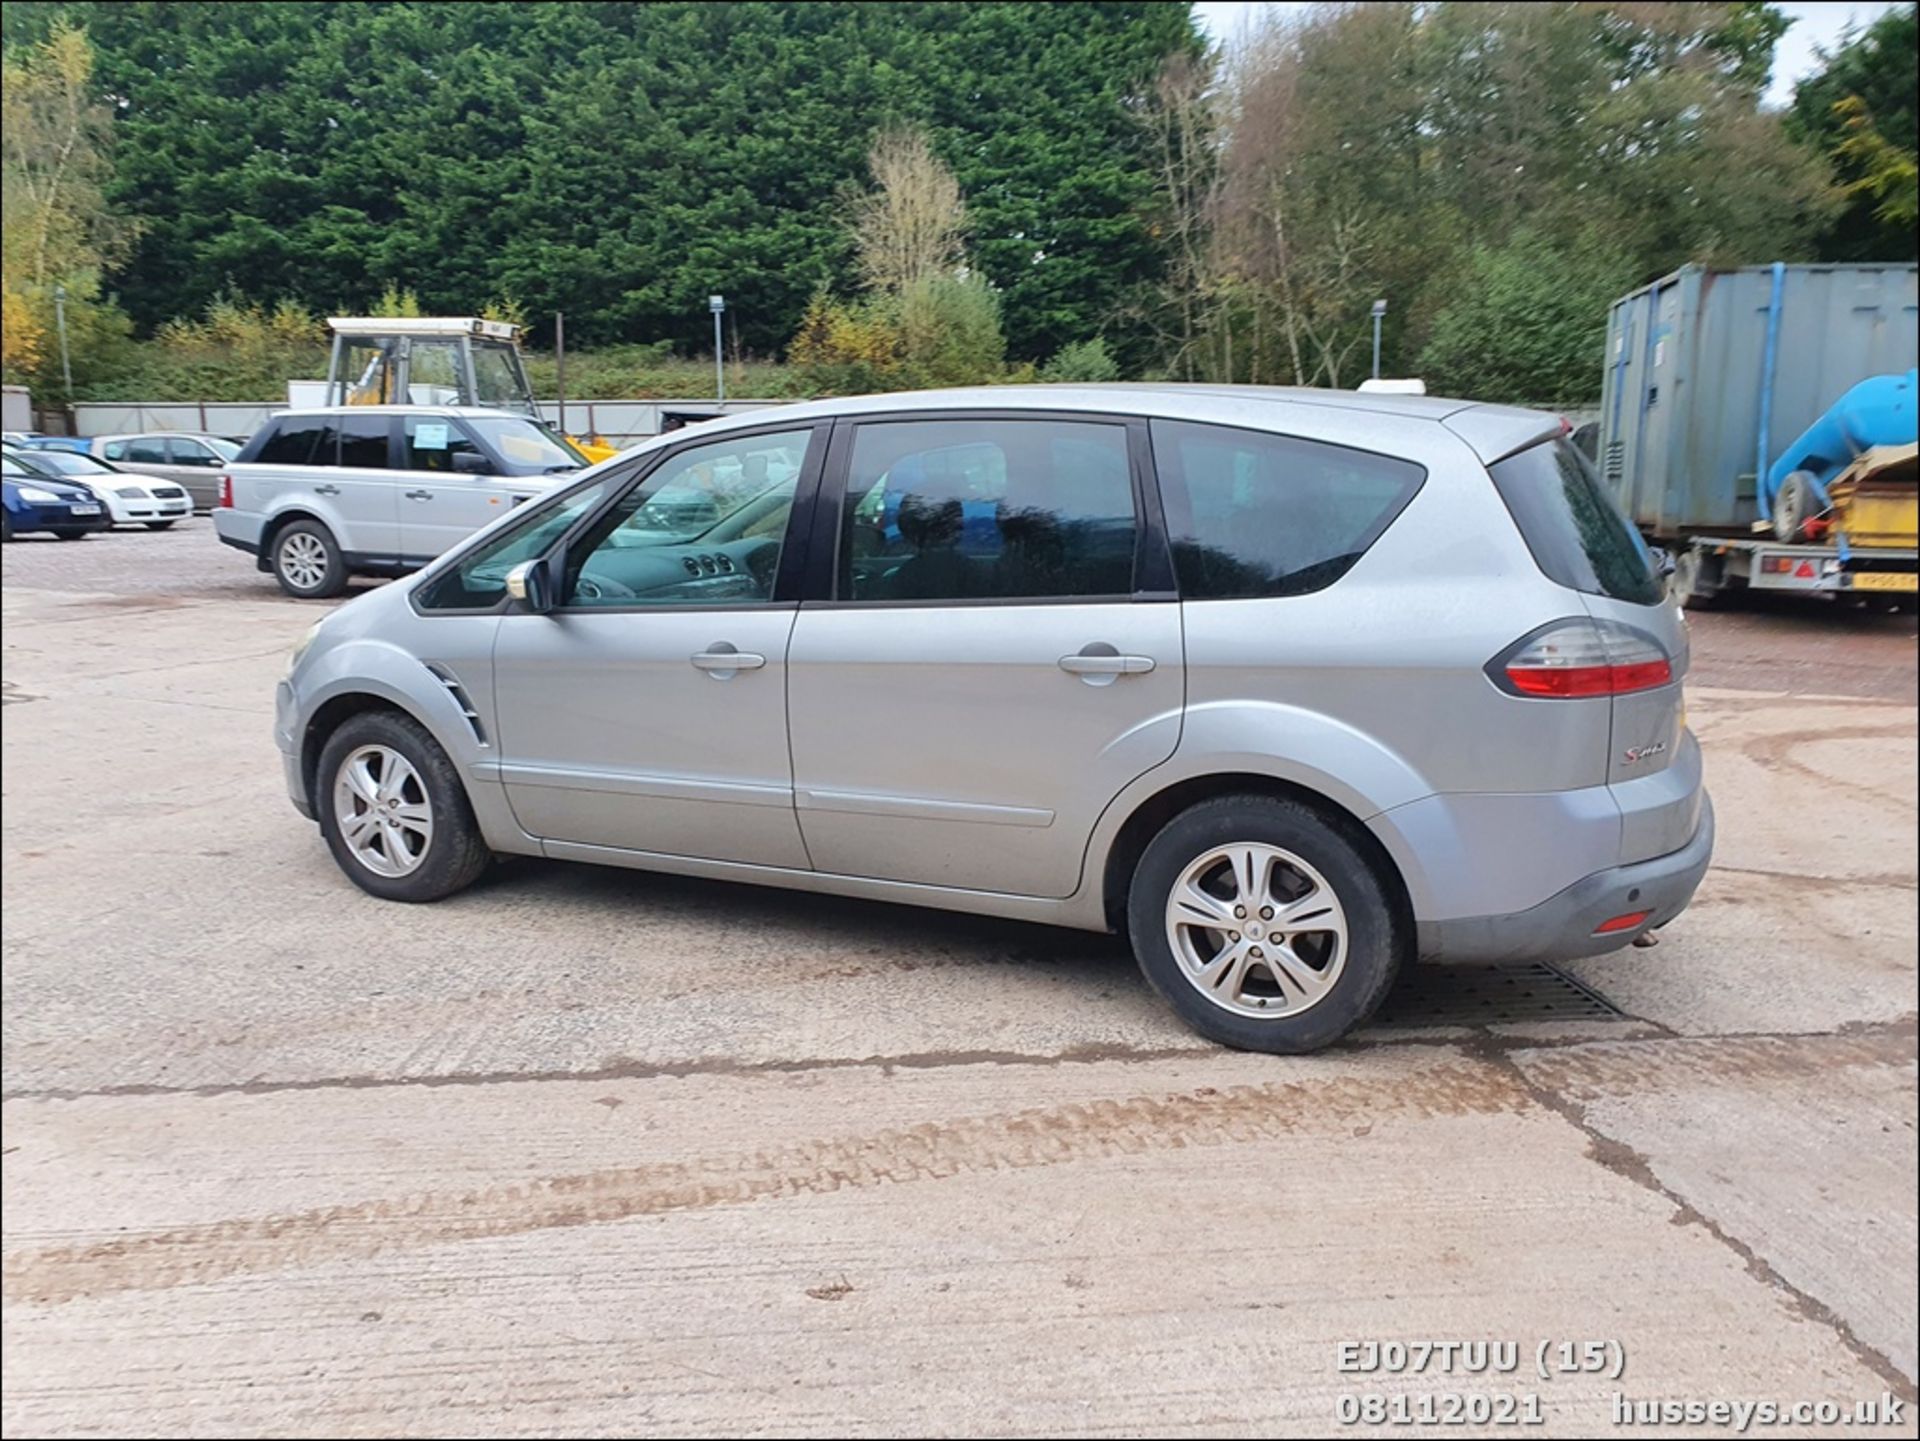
{"x": 1630, "y": 921}
{"x": 1578, "y": 659}
{"x": 226, "y": 492}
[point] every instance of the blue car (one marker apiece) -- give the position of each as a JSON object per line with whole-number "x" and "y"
{"x": 36, "y": 501}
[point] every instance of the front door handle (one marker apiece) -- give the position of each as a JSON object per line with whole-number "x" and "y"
{"x": 326, "y": 490}
{"x": 1106, "y": 665}
{"x": 419, "y": 495}
{"x": 721, "y": 661}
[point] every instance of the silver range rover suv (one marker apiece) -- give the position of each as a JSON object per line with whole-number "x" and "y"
{"x": 1292, "y": 687}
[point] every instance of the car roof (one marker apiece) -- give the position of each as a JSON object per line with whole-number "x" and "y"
{"x": 1491, "y": 430}
{"x": 464, "y": 411}
{"x": 157, "y": 434}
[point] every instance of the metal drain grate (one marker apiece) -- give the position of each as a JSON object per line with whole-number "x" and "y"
{"x": 1491, "y": 995}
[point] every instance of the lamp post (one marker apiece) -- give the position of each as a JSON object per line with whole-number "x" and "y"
{"x": 60, "y": 324}
{"x": 1379, "y": 313}
{"x": 718, "y": 305}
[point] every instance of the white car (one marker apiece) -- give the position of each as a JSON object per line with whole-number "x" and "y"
{"x": 130, "y": 498}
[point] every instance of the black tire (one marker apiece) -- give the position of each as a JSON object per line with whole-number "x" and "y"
{"x": 456, "y": 854}
{"x": 6, "y": 526}
{"x": 158, "y": 524}
{"x": 67, "y": 532}
{"x": 1376, "y": 939}
{"x": 333, "y": 576}
{"x": 1690, "y": 583}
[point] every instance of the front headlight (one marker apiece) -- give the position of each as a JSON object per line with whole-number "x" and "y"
{"x": 300, "y": 646}
{"x": 38, "y": 496}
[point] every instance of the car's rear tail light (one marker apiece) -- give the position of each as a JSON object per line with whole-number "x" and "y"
{"x": 1632, "y": 920}
{"x": 226, "y": 492}
{"x": 1578, "y": 659}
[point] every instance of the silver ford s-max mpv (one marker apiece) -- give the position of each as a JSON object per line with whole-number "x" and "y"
{"x": 1292, "y": 686}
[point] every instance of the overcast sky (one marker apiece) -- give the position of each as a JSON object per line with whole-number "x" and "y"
{"x": 1814, "y": 24}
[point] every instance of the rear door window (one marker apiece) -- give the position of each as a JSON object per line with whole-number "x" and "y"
{"x": 1253, "y": 514}
{"x": 143, "y": 450}
{"x": 182, "y": 451}
{"x": 363, "y": 441}
{"x": 1578, "y": 534}
{"x": 300, "y": 440}
{"x": 972, "y": 510}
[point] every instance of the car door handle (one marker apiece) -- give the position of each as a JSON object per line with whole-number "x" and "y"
{"x": 326, "y": 490}
{"x": 722, "y": 660}
{"x": 1084, "y": 664}
{"x": 419, "y": 495}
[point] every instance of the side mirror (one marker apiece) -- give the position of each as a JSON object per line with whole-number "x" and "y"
{"x": 465, "y": 462}
{"x": 528, "y": 583}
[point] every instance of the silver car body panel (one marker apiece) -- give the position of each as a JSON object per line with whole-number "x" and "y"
{"x": 938, "y": 756}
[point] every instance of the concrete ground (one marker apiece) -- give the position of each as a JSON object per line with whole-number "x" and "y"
{"x": 590, "y": 1151}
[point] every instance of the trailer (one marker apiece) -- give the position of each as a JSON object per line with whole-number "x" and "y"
{"x": 1711, "y": 376}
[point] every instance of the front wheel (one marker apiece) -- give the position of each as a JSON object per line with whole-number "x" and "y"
{"x": 69, "y": 533}
{"x": 393, "y": 810}
{"x": 158, "y": 524}
{"x": 307, "y": 561}
{"x": 1263, "y": 925}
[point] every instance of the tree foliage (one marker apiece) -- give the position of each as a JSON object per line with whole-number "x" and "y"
{"x": 1390, "y": 150}
{"x": 1863, "y": 111}
{"x": 617, "y": 162}
{"x": 1529, "y": 320}
{"x": 57, "y": 230}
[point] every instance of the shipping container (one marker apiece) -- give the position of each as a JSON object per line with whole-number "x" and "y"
{"x": 1710, "y": 374}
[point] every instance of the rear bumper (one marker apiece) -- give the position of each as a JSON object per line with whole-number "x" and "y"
{"x": 1562, "y": 927}
{"x": 237, "y": 528}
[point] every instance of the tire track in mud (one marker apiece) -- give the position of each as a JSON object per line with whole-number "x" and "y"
{"x": 1774, "y": 752}
{"x": 1603, "y": 1069}
{"x": 1205, "y": 1116}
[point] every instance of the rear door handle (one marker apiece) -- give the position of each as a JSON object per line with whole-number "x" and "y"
{"x": 326, "y": 490}
{"x": 1084, "y": 664}
{"x": 722, "y": 661}
{"x": 419, "y": 495}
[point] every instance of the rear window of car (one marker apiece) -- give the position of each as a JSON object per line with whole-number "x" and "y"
{"x": 300, "y": 440}
{"x": 1578, "y": 534}
{"x": 1254, "y": 514}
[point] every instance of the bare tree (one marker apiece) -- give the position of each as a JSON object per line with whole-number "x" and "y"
{"x": 913, "y": 224}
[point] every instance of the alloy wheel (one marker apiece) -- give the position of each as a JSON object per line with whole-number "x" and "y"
{"x": 381, "y": 806}
{"x": 1257, "y": 930}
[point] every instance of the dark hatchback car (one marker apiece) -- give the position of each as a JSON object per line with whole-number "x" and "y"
{"x": 37, "y": 501}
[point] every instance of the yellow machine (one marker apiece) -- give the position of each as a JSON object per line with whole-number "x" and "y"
{"x": 1876, "y": 503}
{"x": 435, "y": 360}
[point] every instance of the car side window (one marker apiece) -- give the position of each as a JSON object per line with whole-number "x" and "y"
{"x": 1253, "y": 514}
{"x": 363, "y": 441}
{"x": 146, "y": 450}
{"x": 300, "y": 440}
{"x": 115, "y": 450}
{"x": 707, "y": 527}
{"x": 433, "y": 441}
{"x": 479, "y": 579}
{"x": 182, "y": 451}
{"x": 987, "y": 510}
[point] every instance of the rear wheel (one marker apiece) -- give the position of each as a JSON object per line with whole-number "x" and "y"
{"x": 393, "y": 810}
{"x": 1793, "y": 507}
{"x": 307, "y": 562}
{"x": 1264, "y": 925}
{"x": 1691, "y": 584}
